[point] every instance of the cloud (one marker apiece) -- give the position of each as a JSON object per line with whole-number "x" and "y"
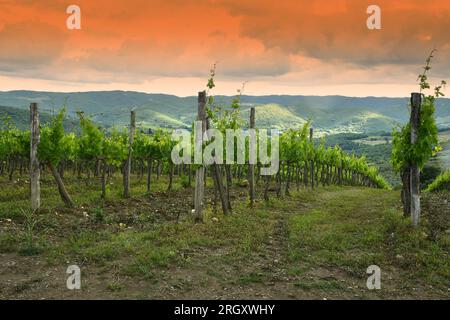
{"x": 29, "y": 45}
{"x": 131, "y": 42}
{"x": 336, "y": 31}
{"x": 149, "y": 59}
{"x": 287, "y": 43}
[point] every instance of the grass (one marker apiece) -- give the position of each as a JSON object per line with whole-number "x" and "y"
{"x": 333, "y": 228}
{"x": 101, "y": 232}
{"x": 355, "y": 228}
{"x": 30, "y": 247}
{"x": 16, "y": 194}
{"x": 114, "y": 286}
{"x": 8, "y": 243}
{"x": 338, "y": 232}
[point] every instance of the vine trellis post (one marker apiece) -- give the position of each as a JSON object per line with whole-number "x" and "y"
{"x": 217, "y": 178}
{"x": 35, "y": 172}
{"x": 200, "y": 172}
{"x": 311, "y": 139}
{"x": 251, "y": 166}
{"x": 416, "y": 101}
{"x": 127, "y": 169}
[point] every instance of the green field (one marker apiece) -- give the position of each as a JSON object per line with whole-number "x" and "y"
{"x": 311, "y": 244}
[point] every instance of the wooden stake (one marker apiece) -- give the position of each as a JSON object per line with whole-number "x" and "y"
{"x": 200, "y": 173}
{"x": 251, "y": 167}
{"x": 218, "y": 183}
{"x": 126, "y": 192}
{"x": 311, "y": 135}
{"x": 149, "y": 175}
{"x": 35, "y": 173}
{"x": 416, "y": 101}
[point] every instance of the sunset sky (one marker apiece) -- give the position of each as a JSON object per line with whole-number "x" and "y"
{"x": 319, "y": 47}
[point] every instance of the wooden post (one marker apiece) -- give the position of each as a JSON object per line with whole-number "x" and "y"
{"x": 251, "y": 167}
{"x": 127, "y": 172}
{"x": 103, "y": 178}
{"x": 61, "y": 187}
{"x": 35, "y": 172}
{"x": 171, "y": 169}
{"x": 405, "y": 175}
{"x": 218, "y": 182}
{"x": 149, "y": 174}
{"x": 200, "y": 173}
{"x": 311, "y": 134}
{"x": 416, "y": 101}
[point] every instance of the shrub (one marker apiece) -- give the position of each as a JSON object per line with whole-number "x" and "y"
{"x": 441, "y": 183}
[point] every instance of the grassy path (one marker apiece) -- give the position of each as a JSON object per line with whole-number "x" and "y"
{"x": 310, "y": 245}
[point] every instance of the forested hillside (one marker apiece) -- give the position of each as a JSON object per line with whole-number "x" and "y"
{"x": 330, "y": 114}
{"x": 20, "y": 118}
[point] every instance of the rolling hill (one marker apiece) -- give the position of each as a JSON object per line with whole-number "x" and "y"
{"x": 330, "y": 114}
{"x": 20, "y": 118}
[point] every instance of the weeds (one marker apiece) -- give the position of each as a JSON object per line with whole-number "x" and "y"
{"x": 31, "y": 247}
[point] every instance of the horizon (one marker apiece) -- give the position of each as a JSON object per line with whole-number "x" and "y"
{"x": 217, "y": 95}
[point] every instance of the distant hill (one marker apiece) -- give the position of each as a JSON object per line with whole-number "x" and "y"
{"x": 21, "y": 118}
{"x": 330, "y": 114}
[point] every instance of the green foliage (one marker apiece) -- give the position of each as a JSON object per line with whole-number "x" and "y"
{"x": 115, "y": 148}
{"x": 98, "y": 214}
{"x": 442, "y": 182}
{"x": 95, "y": 144}
{"x": 14, "y": 143}
{"x": 404, "y": 153}
{"x": 296, "y": 147}
{"x": 158, "y": 146}
{"x": 31, "y": 222}
{"x": 54, "y": 144}
{"x": 224, "y": 118}
{"x": 185, "y": 181}
{"x": 91, "y": 139}
{"x": 429, "y": 173}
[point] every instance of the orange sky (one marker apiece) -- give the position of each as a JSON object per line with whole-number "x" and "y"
{"x": 280, "y": 47}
